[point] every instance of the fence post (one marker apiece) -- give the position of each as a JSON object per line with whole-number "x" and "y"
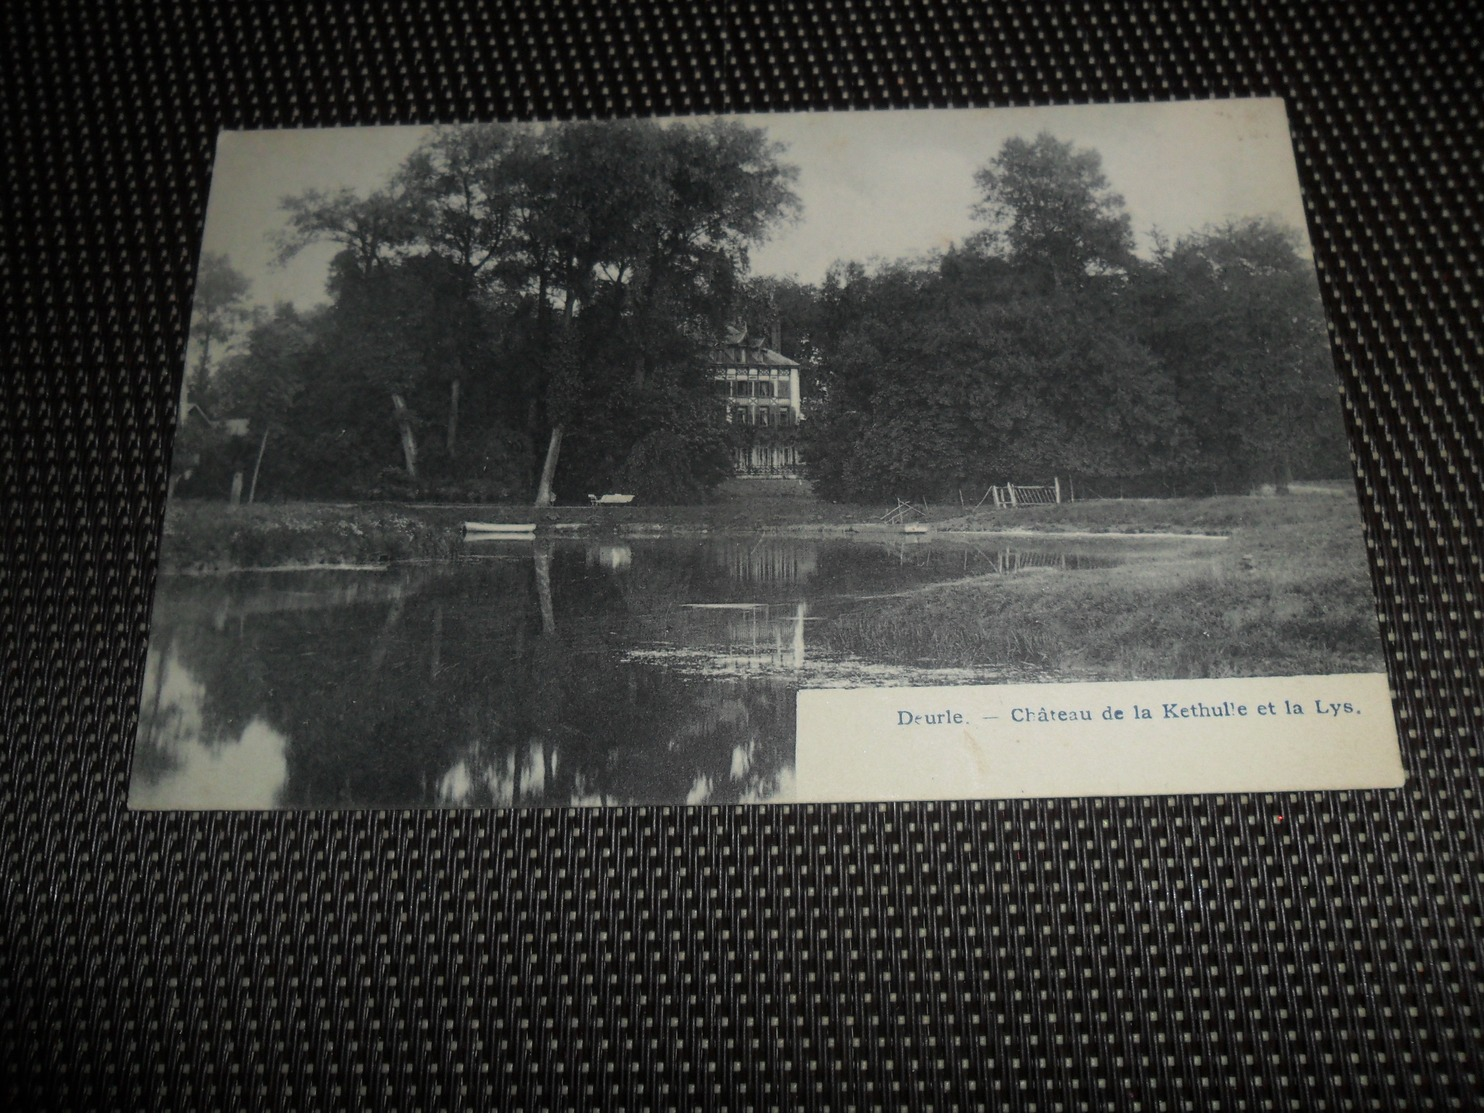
{"x": 1013, "y": 502}
{"x": 1056, "y": 483}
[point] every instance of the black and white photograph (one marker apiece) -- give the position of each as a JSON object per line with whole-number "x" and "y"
{"x": 546, "y": 465}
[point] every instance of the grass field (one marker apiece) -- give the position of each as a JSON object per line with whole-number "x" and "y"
{"x": 1288, "y": 593}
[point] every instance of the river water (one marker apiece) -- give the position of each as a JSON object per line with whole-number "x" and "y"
{"x": 554, "y": 673}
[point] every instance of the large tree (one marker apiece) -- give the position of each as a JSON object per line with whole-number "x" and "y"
{"x": 645, "y": 235}
{"x": 371, "y": 229}
{"x": 469, "y": 199}
{"x": 375, "y": 231}
{"x": 927, "y": 386}
{"x": 570, "y": 277}
{"x": 1050, "y": 211}
{"x": 219, "y": 311}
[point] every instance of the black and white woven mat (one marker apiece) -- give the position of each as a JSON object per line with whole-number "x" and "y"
{"x": 1315, "y": 950}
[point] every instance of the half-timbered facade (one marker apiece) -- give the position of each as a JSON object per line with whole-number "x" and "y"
{"x": 759, "y": 388}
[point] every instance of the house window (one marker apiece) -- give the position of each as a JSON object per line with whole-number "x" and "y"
{"x": 762, "y": 417}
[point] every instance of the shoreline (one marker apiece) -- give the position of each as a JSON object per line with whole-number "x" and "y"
{"x": 281, "y": 568}
{"x": 205, "y": 538}
{"x": 658, "y": 531}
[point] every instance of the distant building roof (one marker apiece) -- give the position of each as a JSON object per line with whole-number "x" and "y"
{"x": 234, "y": 427}
{"x": 739, "y": 354}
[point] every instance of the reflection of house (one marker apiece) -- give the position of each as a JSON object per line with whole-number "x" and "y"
{"x": 768, "y": 562}
{"x": 746, "y": 636}
{"x": 760, "y": 391}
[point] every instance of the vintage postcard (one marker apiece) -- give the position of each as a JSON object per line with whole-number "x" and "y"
{"x": 799, "y": 457}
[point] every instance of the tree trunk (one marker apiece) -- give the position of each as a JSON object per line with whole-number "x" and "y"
{"x": 453, "y": 416}
{"x": 409, "y": 444}
{"x": 257, "y": 465}
{"x": 544, "y": 495}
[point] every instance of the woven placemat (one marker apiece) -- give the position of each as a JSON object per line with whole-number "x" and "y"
{"x": 1314, "y": 950}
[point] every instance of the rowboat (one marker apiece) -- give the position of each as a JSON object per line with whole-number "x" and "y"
{"x": 475, "y": 527}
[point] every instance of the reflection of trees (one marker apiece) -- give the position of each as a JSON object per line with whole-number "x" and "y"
{"x": 453, "y": 684}
{"x": 509, "y": 680}
{"x": 161, "y": 721}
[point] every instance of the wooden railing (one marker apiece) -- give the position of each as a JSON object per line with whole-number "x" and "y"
{"x": 1010, "y": 495}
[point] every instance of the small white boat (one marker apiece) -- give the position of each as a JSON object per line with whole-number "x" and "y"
{"x": 475, "y": 527}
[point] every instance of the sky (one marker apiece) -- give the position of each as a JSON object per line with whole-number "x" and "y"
{"x": 883, "y": 185}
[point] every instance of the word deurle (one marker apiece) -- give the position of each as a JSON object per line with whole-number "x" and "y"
{"x": 938, "y": 717}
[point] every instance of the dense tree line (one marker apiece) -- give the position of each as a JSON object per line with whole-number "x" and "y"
{"x": 1045, "y": 347}
{"x": 521, "y": 312}
{"x": 515, "y": 311}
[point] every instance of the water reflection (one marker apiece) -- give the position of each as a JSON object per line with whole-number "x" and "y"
{"x": 189, "y": 762}
{"x": 551, "y": 673}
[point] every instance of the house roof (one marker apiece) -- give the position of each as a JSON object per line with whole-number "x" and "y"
{"x": 741, "y": 355}
{"x": 237, "y": 426}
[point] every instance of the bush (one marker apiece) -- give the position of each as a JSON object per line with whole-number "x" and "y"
{"x": 664, "y": 470}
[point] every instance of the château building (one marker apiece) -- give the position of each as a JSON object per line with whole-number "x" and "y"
{"x": 759, "y": 388}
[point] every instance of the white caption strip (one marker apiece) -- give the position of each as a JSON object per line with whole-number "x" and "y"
{"x": 1305, "y": 732}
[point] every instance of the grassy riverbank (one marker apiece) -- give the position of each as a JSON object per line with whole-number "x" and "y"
{"x": 201, "y": 536}
{"x": 1288, "y": 593}
{"x": 211, "y": 536}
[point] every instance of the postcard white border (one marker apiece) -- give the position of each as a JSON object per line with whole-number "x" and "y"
{"x": 1052, "y": 740}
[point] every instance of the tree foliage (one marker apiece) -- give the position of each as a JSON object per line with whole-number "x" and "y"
{"x": 1050, "y": 212}
{"x": 219, "y": 311}
{"x": 519, "y": 311}
{"x": 1234, "y": 313}
{"x": 1045, "y": 347}
{"x": 507, "y": 285}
